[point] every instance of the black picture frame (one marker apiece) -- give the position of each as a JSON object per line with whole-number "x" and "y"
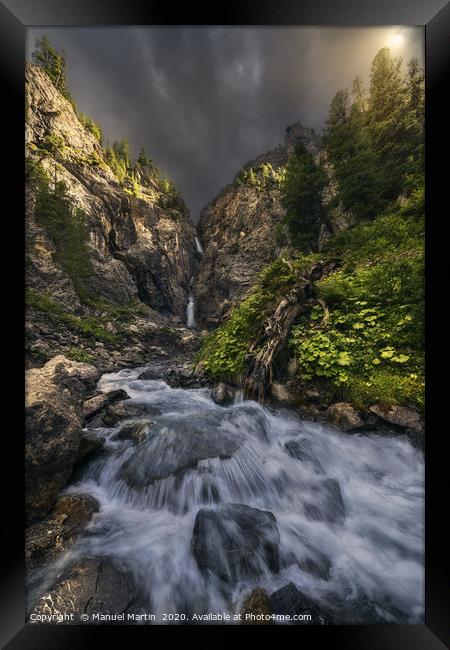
{"x": 15, "y": 17}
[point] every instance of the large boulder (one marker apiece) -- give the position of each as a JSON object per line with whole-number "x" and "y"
{"x": 173, "y": 446}
{"x": 235, "y": 541}
{"x": 47, "y": 539}
{"x": 53, "y": 428}
{"x": 344, "y": 416}
{"x": 400, "y": 416}
{"x": 91, "y": 586}
{"x": 289, "y": 601}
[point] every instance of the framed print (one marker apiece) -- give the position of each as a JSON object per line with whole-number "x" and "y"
{"x": 226, "y": 321}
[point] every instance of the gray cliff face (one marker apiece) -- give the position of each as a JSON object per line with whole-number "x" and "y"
{"x": 238, "y": 230}
{"x": 140, "y": 247}
{"x": 238, "y": 233}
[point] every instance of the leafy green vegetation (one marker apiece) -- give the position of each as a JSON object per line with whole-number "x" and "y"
{"x": 376, "y": 314}
{"x": 363, "y": 341}
{"x": 224, "y": 351}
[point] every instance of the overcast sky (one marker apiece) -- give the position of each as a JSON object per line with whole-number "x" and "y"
{"x": 204, "y": 101}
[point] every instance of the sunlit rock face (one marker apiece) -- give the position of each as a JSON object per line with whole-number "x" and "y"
{"x": 140, "y": 247}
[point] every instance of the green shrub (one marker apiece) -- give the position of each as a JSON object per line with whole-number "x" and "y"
{"x": 371, "y": 348}
{"x": 262, "y": 177}
{"x": 79, "y": 354}
{"x": 67, "y": 228}
{"x": 91, "y": 126}
{"x": 224, "y": 352}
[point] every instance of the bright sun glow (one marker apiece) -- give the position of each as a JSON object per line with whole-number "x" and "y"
{"x": 396, "y": 40}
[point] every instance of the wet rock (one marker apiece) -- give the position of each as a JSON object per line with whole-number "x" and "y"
{"x": 255, "y": 608}
{"x": 54, "y": 422}
{"x": 175, "y": 446}
{"x": 152, "y": 373}
{"x": 46, "y": 540}
{"x": 328, "y": 504}
{"x": 223, "y": 394}
{"x": 344, "y": 416}
{"x": 91, "y": 446}
{"x": 181, "y": 377}
{"x": 303, "y": 450}
{"x": 417, "y": 438}
{"x": 136, "y": 432}
{"x": 235, "y": 541}
{"x": 290, "y": 601}
{"x": 89, "y": 586}
{"x": 401, "y": 416}
{"x": 285, "y": 394}
{"x": 311, "y": 394}
{"x": 125, "y": 410}
{"x": 95, "y": 404}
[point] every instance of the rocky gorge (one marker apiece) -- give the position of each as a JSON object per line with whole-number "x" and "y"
{"x": 155, "y": 485}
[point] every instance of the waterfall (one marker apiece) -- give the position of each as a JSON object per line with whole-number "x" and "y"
{"x": 198, "y": 245}
{"x": 190, "y": 311}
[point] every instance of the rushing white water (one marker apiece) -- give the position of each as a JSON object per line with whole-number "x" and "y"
{"x": 366, "y": 567}
{"x": 190, "y": 311}
{"x": 199, "y": 245}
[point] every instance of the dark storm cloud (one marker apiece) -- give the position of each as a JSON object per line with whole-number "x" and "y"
{"x": 203, "y": 101}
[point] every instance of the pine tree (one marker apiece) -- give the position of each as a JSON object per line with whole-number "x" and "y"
{"x": 375, "y": 141}
{"x": 416, "y": 111}
{"x": 46, "y": 57}
{"x": 143, "y": 160}
{"x": 350, "y": 152}
{"x": 302, "y": 198}
{"x": 388, "y": 122}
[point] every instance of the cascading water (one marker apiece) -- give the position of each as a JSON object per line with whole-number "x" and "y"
{"x": 198, "y": 245}
{"x": 190, "y": 311}
{"x": 348, "y": 508}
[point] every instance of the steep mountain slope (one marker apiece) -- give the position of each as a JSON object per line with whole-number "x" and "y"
{"x": 139, "y": 240}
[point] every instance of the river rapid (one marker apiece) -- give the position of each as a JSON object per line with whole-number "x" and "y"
{"x": 349, "y": 508}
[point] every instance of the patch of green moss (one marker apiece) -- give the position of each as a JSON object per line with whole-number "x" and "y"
{"x": 86, "y": 326}
{"x": 121, "y": 313}
{"x": 79, "y": 354}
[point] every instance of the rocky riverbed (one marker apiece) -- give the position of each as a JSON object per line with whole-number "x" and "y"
{"x": 163, "y": 501}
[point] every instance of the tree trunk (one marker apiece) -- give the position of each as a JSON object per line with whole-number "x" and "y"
{"x": 273, "y": 338}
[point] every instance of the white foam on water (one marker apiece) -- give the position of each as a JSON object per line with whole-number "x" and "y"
{"x": 372, "y": 558}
